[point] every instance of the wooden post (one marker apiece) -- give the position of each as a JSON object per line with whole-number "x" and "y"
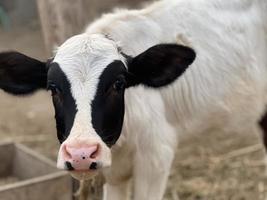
{"x": 61, "y": 19}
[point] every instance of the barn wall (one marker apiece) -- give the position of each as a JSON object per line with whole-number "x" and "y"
{"x": 20, "y": 12}
{"x": 61, "y": 19}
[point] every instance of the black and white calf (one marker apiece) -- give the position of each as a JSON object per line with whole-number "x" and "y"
{"x": 124, "y": 90}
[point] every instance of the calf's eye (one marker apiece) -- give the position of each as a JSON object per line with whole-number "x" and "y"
{"x": 119, "y": 84}
{"x": 54, "y": 89}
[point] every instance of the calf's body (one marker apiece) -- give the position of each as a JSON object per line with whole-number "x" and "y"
{"x": 225, "y": 88}
{"x": 133, "y": 135}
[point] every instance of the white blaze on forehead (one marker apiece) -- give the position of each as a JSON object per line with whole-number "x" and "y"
{"x": 83, "y": 58}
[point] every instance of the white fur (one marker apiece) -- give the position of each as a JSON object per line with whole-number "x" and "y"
{"x": 225, "y": 88}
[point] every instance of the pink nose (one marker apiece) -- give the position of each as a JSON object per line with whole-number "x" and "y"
{"x": 81, "y": 158}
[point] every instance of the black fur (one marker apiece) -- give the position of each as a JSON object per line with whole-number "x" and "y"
{"x": 160, "y": 65}
{"x": 108, "y": 104}
{"x": 64, "y": 103}
{"x": 20, "y": 74}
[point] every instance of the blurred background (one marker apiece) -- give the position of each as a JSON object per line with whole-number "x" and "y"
{"x": 210, "y": 166}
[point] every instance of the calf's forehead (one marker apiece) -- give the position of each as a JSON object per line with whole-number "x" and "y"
{"x": 83, "y": 59}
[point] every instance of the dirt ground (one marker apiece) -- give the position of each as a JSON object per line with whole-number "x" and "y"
{"x": 207, "y": 167}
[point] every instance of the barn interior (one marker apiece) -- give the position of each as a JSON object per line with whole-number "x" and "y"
{"x": 207, "y": 167}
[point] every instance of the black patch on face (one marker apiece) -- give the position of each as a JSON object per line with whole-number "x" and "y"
{"x": 108, "y": 104}
{"x": 64, "y": 103}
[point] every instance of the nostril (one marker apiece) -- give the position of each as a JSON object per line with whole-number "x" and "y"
{"x": 95, "y": 153}
{"x": 67, "y": 154}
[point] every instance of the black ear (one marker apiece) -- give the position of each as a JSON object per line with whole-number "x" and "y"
{"x": 160, "y": 65}
{"x": 20, "y": 74}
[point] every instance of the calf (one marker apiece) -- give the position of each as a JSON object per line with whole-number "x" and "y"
{"x": 123, "y": 92}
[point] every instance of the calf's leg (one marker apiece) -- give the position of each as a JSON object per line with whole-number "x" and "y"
{"x": 119, "y": 191}
{"x": 152, "y": 165}
{"x": 118, "y": 176}
{"x": 151, "y": 176}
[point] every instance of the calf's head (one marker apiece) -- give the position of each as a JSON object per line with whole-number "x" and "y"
{"x": 87, "y": 78}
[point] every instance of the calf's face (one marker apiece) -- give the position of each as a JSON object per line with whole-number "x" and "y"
{"x": 87, "y": 79}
